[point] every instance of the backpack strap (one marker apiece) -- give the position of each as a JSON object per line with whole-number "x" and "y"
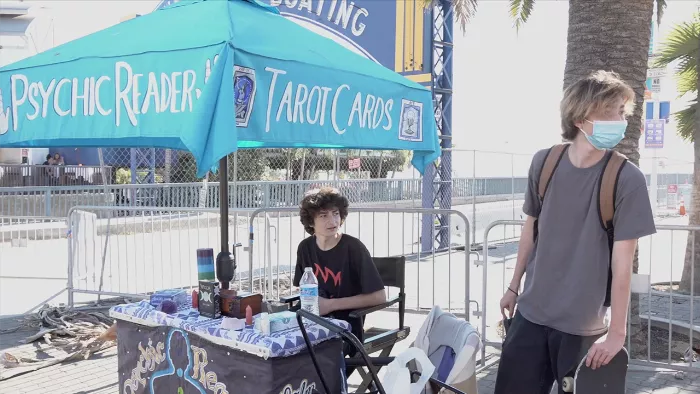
{"x": 549, "y": 165}
{"x": 607, "y": 193}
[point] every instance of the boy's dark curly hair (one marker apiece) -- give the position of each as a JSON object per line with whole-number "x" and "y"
{"x": 323, "y": 199}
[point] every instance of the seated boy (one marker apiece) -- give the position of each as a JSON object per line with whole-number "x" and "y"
{"x": 347, "y": 277}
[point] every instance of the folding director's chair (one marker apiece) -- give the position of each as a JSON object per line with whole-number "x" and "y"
{"x": 371, "y": 363}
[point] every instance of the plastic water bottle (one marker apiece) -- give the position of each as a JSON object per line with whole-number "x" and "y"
{"x": 309, "y": 291}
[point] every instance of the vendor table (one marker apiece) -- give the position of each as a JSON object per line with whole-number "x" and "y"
{"x": 186, "y": 353}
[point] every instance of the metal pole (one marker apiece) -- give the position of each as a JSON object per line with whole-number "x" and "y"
{"x": 235, "y": 195}
{"x": 474, "y": 198}
{"x": 168, "y": 165}
{"x": 225, "y": 264}
{"x": 223, "y": 202}
{"x": 512, "y": 186}
{"x": 512, "y": 182}
{"x": 653, "y": 184}
{"x": 335, "y": 168}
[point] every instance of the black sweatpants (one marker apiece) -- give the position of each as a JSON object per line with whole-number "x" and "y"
{"x": 534, "y": 356}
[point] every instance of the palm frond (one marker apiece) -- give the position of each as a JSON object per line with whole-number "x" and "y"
{"x": 687, "y": 82}
{"x": 660, "y": 8}
{"x": 681, "y": 45}
{"x": 520, "y": 11}
{"x": 685, "y": 119}
{"x": 464, "y": 10}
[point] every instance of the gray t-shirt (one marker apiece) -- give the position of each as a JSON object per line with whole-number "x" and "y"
{"x": 567, "y": 272}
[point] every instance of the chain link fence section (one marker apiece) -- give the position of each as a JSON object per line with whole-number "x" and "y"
{"x": 486, "y": 186}
{"x": 294, "y": 164}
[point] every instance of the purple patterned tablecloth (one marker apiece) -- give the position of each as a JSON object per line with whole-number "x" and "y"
{"x": 279, "y": 344}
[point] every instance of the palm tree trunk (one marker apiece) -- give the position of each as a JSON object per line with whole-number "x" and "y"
{"x": 613, "y": 35}
{"x": 692, "y": 260}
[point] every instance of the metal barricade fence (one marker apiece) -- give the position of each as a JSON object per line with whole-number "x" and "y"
{"x": 104, "y": 252}
{"x": 32, "y": 255}
{"x": 112, "y": 253}
{"x": 133, "y": 251}
{"x": 438, "y": 277}
{"x": 664, "y": 314}
{"x": 13, "y": 175}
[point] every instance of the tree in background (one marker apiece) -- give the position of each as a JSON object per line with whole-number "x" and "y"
{"x": 602, "y": 34}
{"x": 251, "y": 165}
{"x": 682, "y": 48}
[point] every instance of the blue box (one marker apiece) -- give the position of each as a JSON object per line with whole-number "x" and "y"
{"x": 275, "y": 322}
{"x": 178, "y": 296}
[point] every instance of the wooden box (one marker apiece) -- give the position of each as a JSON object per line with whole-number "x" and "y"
{"x": 233, "y": 304}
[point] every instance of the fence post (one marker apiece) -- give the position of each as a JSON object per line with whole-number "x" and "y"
{"x": 512, "y": 182}
{"x": 474, "y": 197}
{"x": 47, "y": 202}
{"x": 69, "y": 239}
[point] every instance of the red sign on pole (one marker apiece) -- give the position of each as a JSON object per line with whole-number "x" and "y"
{"x": 672, "y": 189}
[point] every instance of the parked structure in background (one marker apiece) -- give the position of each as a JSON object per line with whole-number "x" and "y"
{"x": 24, "y": 31}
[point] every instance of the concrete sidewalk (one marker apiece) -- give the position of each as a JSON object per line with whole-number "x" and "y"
{"x": 99, "y": 373}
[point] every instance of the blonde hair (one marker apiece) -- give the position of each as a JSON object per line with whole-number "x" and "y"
{"x": 598, "y": 90}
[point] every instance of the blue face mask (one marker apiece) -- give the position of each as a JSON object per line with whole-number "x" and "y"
{"x": 606, "y": 133}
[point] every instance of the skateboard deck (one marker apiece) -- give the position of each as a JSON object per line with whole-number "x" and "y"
{"x": 608, "y": 379}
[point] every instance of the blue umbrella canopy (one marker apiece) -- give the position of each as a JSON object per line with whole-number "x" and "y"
{"x": 210, "y": 77}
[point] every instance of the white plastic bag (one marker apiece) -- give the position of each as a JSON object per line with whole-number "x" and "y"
{"x": 397, "y": 379}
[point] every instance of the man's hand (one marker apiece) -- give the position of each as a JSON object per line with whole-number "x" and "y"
{"x": 508, "y": 302}
{"x": 325, "y": 306}
{"x": 604, "y": 349}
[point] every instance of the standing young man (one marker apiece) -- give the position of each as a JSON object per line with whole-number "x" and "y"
{"x": 562, "y": 308}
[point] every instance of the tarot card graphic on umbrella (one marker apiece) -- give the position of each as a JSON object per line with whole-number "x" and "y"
{"x": 411, "y": 120}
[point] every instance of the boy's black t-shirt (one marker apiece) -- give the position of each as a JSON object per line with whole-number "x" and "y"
{"x": 346, "y": 270}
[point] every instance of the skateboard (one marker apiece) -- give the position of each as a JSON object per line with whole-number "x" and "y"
{"x": 608, "y": 379}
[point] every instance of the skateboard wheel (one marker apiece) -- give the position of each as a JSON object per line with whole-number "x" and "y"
{"x": 567, "y": 384}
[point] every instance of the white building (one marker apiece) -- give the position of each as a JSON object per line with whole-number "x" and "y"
{"x": 24, "y": 31}
{"x": 32, "y": 26}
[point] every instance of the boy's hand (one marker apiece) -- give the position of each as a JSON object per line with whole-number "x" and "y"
{"x": 325, "y": 305}
{"x": 508, "y": 302}
{"x": 604, "y": 350}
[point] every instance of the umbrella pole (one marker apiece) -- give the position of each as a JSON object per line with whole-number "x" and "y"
{"x": 225, "y": 262}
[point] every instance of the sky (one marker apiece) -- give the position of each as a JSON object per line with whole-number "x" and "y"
{"x": 507, "y": 84}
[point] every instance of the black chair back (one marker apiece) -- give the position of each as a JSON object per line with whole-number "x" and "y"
{"x": 392, "y": 270}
